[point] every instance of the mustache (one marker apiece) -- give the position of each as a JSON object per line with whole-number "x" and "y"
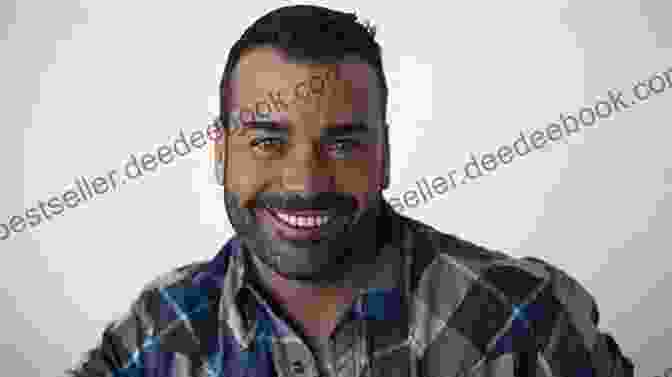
{"x": 300, "y": 201}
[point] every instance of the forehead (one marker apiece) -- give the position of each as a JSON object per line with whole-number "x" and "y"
{"x": 265, "y": 73}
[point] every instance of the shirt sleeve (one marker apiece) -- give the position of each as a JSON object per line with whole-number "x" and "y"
{"x": 116, "y": 354}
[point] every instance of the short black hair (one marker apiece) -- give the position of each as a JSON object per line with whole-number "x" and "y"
{"x": 308, "y": 33}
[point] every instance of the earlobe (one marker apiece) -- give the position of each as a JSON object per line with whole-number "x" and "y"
{"x": 219, "y": 148}
{"x": 219, "y": 172}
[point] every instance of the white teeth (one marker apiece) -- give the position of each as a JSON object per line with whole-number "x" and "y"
{"x": 283, "y": 217}
{"x": 302, "y": 221}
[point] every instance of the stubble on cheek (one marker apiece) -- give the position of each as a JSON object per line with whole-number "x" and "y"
{"x": 238, "y": 215}
{"x": 245, "y": 176}
{"x": 249, "y": 229}
{"x": 362, "y": 178}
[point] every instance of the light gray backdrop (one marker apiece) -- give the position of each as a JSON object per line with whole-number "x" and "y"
{"x": 84, "y": 85}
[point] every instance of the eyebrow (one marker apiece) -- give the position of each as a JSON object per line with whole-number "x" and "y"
{"x": 333, "y": 130}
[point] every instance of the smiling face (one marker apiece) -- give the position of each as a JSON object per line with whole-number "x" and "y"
{"x": 304, "y": 175}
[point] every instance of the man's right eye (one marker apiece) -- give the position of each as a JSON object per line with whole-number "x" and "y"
{"x": 267, "y": 144}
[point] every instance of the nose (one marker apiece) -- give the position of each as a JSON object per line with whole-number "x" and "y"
{"x": 306, "y": 171}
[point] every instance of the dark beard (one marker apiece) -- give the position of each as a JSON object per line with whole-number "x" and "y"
{"x": 349, "y": 241}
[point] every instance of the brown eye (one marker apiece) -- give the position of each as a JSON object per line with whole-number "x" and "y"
{"x": 267, "y": 144}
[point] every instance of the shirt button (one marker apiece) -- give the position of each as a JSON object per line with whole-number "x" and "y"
{"x": 298, "y": 367}
{"x": 292, "y": 358}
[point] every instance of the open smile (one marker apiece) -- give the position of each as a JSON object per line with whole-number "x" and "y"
{"x": 299, "y": 225}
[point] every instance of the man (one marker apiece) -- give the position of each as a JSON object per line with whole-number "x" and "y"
{"x": 323, "y": 277}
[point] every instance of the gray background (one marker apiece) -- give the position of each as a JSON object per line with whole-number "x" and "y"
{"x": 86, "y": 84}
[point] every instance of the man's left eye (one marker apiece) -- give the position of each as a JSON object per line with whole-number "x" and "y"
{"x": 344, "y": 145}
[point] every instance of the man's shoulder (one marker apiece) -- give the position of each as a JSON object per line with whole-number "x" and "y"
{"x": 179, "y": 291}
{"x": 433, "y": 248}
{"x": 439, "y": 256}
{"x": 182, "y": 275}
{"x": 197, "y": 275}
{"x": 464, "y": 287}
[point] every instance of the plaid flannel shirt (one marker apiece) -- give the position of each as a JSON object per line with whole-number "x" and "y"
{"x": 433, "y": 306}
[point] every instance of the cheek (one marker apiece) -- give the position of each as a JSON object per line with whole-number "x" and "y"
{"x": 364, "y": 177}
{"x": 246, "y": 178}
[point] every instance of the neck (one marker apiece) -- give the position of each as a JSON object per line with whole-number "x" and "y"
{"x": 316, "y": 308}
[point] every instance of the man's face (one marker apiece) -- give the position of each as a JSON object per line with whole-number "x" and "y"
{"x": 304, "y": 175}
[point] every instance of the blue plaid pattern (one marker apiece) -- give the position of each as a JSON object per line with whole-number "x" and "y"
{"x": 438, "y": 306}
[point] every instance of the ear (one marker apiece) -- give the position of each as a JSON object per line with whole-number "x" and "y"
{"x": 386, "y": 160}
{"x": 219, "y": 137}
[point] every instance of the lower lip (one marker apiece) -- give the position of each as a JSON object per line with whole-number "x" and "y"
{"x": 287, "y": 231}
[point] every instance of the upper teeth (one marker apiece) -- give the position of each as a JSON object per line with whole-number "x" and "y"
{"x": 302, "y": 221}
